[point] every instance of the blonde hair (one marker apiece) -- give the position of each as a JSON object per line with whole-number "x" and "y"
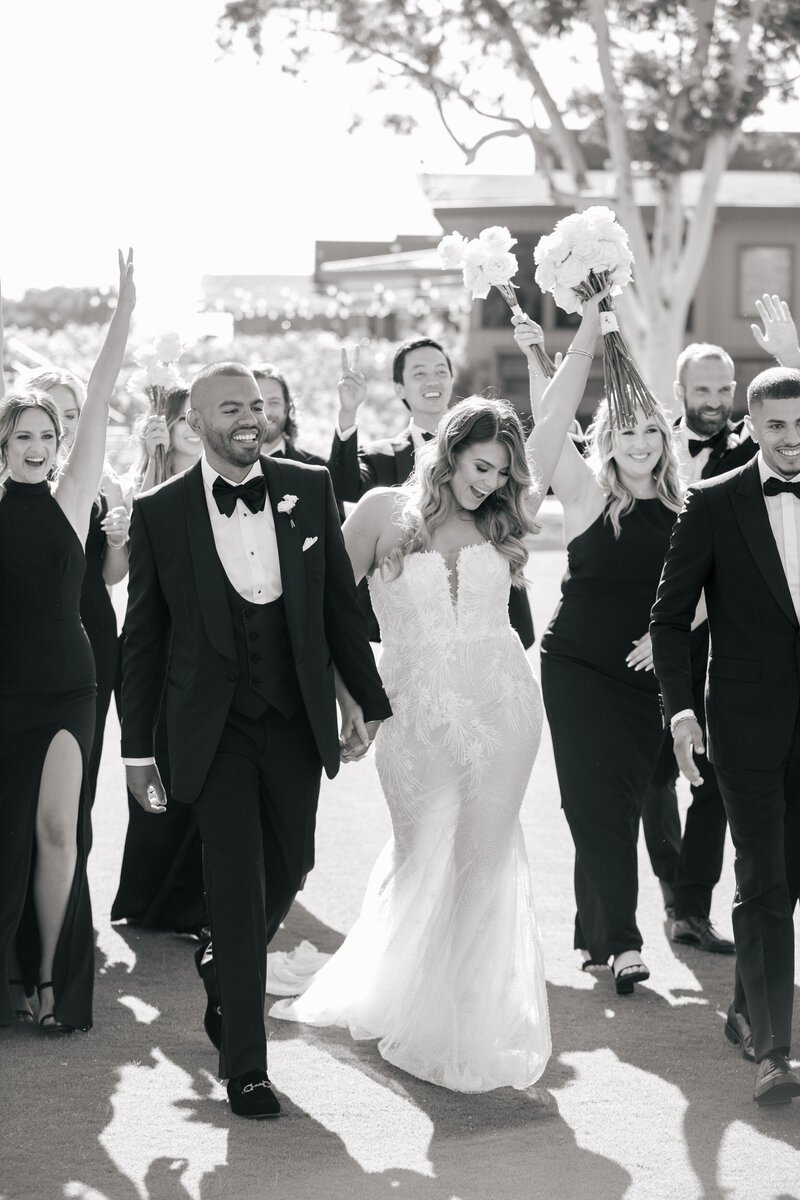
{"x": 12, "y": 408}
{"x": 504, "y": 518}
{"x": 600, "y": 456}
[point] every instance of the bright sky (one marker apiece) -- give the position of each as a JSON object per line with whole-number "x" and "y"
{"x": 124, "y": 123}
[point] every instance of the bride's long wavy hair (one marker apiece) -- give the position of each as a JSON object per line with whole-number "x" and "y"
{"x": 504, "y": 518}
{"x": 600, "y": 456}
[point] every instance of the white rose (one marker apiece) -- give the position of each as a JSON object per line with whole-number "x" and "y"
{"x": 475, "y": 253}
{"x": 138, "y": 381}
{"x": 572, "y": 272}
{"x": 169, "y": 347}
{"x": 500, "y": 268}
{"x": 565, "y": 298}
{"x": 451, "y": 250}
{"x": 475, "y": 280}
{"x": 497, "y": 240}
{"x": 163, "y": 375}
{"x": 145, "y": 356}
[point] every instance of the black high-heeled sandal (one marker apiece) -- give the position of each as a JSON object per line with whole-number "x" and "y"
{"x": 633, "y": 971}
{"x": 23, "y": 1015}
{"x": 48, "y": 1023}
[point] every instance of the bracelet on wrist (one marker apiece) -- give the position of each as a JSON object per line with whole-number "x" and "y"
{"x": 117, "y": 545}
{"x": 675, "y": 722}
{"x": 585, "y": 353}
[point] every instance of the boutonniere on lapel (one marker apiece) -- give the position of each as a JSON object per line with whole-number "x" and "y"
{"x": 286, "y": 505}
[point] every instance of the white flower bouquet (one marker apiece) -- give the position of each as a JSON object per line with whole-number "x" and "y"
{"x": 584, "y": 254}
{"x": 486, "y": 261}
{"x": 158, "y": 373}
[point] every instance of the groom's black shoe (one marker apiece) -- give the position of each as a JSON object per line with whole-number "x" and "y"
{"x": 776, "y": 1082}
{"x": 738, "y": 1031}
{"x": 251, "y": 1095}
{"x": 212, "y": 1018}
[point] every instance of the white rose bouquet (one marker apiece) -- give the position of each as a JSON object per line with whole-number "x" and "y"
{"x": 584, "y": 254}
{"x": 487, "y": 262}
{"x": 158, "y": 373}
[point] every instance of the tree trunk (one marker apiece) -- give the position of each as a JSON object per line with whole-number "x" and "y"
{"x": 663, "y": 344}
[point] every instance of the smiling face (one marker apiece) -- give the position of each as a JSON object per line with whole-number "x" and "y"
{"x": 775, "y": 425}
{"x": 31, "y": 449}
{"x": 274, "y": 408}
{"x": 427, "y": 383}
{"x": 637, "y": 451}
{"x": 183, "y": 439}
{"x": 707, "y": 395}
{"x": 228, "y": 414}
{"x": 481, "y": 469}
{"x": 69, "y": 411}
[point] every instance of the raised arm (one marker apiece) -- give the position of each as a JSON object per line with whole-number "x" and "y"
{"x": 779, "y": 335}
{"x": 556, "y": 458}
{"x": 79, "y": 478}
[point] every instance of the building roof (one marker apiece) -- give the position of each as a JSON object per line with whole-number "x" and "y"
{"x": 737, "y": 189}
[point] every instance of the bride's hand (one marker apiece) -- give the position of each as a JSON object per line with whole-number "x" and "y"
{"x": 641, "y": 657}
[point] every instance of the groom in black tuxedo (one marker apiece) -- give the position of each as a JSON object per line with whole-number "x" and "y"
{"x": 241, "y": 597}
{"x": 738, "y": 539}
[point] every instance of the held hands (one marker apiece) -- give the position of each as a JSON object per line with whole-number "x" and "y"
{"x": 352, "y": 388}
{"x": 688, "y": 737}
{"x": 779, "y": 336}
{"x": 115, "y": 525}
{"x": 357, "y": 735}
{"x": 641, "y": 657}
{"x": 144, "y": 784}
{"x": 126, "y": 299}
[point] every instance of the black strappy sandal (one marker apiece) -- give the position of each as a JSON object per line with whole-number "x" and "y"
{"x": 23, "y": 1015}
{"x": 48, "y": 1023}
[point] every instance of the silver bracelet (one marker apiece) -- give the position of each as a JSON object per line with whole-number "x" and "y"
{"x": 675, "y": 722}
{"x": 575, "y": 350}
{"x": 114, "y": 545}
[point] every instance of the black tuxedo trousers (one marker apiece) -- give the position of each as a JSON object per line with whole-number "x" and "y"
{"x": 256, "y": 814}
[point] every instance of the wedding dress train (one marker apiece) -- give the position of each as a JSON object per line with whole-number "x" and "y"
{"x": 444, "y": 964}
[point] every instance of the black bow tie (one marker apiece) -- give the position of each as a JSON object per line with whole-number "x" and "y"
{"x": 717, "y": 442}
{"x": 253, "y": 493}
{"x": 773, "y": 487}
{"x": 427, "y": 437}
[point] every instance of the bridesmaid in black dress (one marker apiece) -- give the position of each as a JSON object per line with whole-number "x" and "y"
{"x": 161, "y": 875}
{"x": 106, "y": 552}
{"x": 47, "y": 694}
{"x": 600, "y": 693}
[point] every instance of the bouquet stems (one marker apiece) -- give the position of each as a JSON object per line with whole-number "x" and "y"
{"x": 624, "y": 386}
{"x": 508, "y": 292}
{"x": 158, "y": 406}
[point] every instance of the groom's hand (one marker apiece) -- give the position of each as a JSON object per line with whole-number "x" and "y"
{"x": 144, "y": 783}
{"x": 688, "y": 741}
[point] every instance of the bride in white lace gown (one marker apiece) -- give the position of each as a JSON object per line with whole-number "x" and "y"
{"x": 444, "y": 965}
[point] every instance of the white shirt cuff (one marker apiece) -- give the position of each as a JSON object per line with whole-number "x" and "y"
{"x": 344, "y": 434}
{"x": 683, "y": 715}
{"x": 138, "y": 762}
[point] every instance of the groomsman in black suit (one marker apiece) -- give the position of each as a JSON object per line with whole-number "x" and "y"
{"x": 423, "y": 380}
{"x": 241, "y": 596}
{"x": 707, "y": 443}
{"x": 738, "y": 540}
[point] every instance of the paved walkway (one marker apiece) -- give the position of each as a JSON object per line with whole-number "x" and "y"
{"x": 642, "y": 1100}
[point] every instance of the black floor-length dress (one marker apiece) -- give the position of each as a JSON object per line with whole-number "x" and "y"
{"x": 47, "y": 684}
{"x": 604, "y": 717}
{"x": 100, "y": 622}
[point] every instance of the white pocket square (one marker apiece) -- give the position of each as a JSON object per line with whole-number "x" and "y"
{"x": 308, "y": 543}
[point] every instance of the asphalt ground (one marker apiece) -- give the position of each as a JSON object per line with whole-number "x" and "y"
{"x": 643, "y": 1098}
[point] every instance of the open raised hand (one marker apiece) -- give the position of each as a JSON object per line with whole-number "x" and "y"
{"x": 779, "y": 335}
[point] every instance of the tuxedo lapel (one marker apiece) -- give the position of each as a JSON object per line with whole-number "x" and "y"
{"x": 403, "y": 447}
{"x": 208, "y": 570}
{"x": 751, "y": 513}
{"x": 290, "y": 550}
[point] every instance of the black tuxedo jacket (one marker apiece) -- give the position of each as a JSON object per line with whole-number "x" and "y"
{"x": 722, "y": 542}
{"x": 295, "y": 454}
{"x": 389, "y": 463}
{"x": 178, "y": 624}
{"x": 354, "y": 471}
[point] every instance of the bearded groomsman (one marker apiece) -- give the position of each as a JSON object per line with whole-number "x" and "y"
{"x": 241, "y": 600}
{"x": 738, "y": 540}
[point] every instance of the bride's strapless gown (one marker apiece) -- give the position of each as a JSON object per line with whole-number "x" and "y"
{"x": 444, "y": 964}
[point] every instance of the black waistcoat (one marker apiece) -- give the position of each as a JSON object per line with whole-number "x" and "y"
{"x": 267, "y": 674}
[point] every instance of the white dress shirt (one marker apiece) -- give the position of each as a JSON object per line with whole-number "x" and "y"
{"x": 692, "y": 466}
{"x": 783, "y": 511}
{"x": 247, "y": 548}
{"x": 245, "y": 542}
